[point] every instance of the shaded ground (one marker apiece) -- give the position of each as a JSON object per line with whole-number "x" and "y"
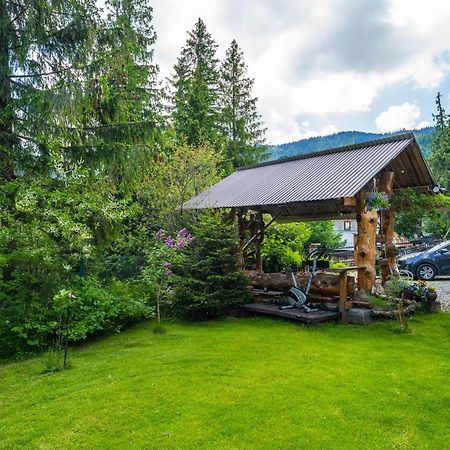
{"x": 442, "y": 285}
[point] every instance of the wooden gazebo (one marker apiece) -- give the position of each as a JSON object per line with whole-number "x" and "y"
{"x": 330, "y": 184}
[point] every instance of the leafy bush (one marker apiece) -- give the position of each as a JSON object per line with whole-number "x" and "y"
{"x": 102, "y": 309}
{"x": 208, "y": 281}
{"x": 92, "y": 309}
{"x": 283, "y": 245}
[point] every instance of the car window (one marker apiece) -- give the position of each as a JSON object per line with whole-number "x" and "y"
{"x": 439, "y": 247}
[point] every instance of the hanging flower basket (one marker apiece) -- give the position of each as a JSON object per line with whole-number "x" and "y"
{"x": 377, "y": 201}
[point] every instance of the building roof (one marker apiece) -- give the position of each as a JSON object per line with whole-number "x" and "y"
{"x": 310, "y": 185}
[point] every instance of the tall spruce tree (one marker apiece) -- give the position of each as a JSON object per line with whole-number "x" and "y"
{"x": 77, "y": 116}
{"x": 195, "y": 84}
{"x": 240, "y": 119}
{"x": 76, "y": 84}
{"x": 43, "y": 48}
{"x": 441, "y": 118}
{"x": 121, "y": 110}
{"x": 440, "y": 146}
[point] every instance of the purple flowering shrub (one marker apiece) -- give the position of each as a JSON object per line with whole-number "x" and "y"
{"x": 163, "y": 253}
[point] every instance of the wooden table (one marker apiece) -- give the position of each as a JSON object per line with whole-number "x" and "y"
{"x": 344, "y": 304}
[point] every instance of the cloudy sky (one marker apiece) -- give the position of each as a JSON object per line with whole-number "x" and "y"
{"x": 322, "y": 66}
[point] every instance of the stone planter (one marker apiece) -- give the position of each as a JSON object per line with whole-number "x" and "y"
{"x": 433, "y": 306}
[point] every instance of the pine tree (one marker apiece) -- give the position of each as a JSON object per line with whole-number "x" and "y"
{"x": 240, "y": 119}
{"x": 122, "y": 110}
{"x": 75, "y": 84}
{"x": 440, "y": 147}
{"x": 43, "y": 45}
{"x": 195, "y": 85}
{"x": 441, "y": 118}
{"x": 209, "y": 283}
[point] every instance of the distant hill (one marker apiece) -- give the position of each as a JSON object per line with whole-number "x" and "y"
{"x": 315, "y": 144}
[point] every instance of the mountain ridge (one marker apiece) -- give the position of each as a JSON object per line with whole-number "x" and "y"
{"x": 423, "y": 136}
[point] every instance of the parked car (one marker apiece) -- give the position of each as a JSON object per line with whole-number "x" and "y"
{"x": 429, "y": 263}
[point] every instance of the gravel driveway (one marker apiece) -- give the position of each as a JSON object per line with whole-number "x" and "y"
{"x": 442, "y": 285}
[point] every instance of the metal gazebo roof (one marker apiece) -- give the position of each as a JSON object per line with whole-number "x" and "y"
{"x": 312, "y": 186}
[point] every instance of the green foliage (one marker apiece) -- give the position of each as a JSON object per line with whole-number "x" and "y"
{"x": 384, "y": 302}
{"x": 171, "y": 182}
{"x": 395, "y": 287}
{"x": 161, "y": 257}
{"x": 195, "y": 90}
{"x": 239, "y": 117}
{"x": 440, "y": 157}
{"x": 48, "y": 225}
{"x": 79, "y": 108}
{"x": 53, "y": 361}
{"x": 283, "y": 245}
{"x": 441, "y": 118}
{"x": 377, "y": 201}
{"x": 288, "y": 244}
{"x": 322, "y": 232}
{"x": 408, "y": 225}
{"x": 414, "y": 207}
{"x": 98, "y": 308}
{"x": 209, "y": 284}
{"x": 43, "y": 48}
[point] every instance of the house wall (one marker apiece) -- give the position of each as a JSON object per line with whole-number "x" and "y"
{"x": 347, "y": 235}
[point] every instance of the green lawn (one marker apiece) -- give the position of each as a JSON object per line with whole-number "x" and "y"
{"x": 247, "y": 384}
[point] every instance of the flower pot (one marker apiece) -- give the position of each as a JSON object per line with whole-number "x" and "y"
{"x": 431, "y": 296}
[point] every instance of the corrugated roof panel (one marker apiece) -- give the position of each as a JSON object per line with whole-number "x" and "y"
{"x": 318, "y": 176}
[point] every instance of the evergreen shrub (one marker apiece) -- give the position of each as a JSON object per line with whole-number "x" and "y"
{"x": 208, "y": 283}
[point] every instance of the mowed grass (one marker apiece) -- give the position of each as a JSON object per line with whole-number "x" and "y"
{"x": 251, "y": 383}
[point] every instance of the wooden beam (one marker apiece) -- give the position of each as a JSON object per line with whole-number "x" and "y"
{"x": 349, "y": 201}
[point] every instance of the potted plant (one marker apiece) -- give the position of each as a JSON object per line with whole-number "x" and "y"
{"x": 377, "y": 200}
{"x": 418, "y": 290}
{"x": 431, "y": 294}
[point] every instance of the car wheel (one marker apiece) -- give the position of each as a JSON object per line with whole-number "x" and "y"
{"x": 426, "y": 272}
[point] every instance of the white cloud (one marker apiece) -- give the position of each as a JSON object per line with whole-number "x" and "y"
{"x": 293, "y": 131}
{"x": 315, "y": 58}
{"x": 399, "y": 117}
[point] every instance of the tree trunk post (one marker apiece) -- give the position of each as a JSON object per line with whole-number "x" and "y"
{"x": 387, "y": 229}
{"x": 258, "y": 241}
{"x": 343, "y": 296}
{"x": 366, "y": 244}
{"x": 241, "y": 232}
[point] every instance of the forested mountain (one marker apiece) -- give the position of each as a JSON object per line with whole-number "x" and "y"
{"x": 315, "y": 144}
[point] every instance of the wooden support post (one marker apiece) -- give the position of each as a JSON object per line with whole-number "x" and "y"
{"x": 366, "y": 245}
{"x": 343, "y": 295}
{"x": 387, "y": 229}
{"x": 231, "y": 216}
{"x": 258, "y": 241}
{"x": 241, "y": 232}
